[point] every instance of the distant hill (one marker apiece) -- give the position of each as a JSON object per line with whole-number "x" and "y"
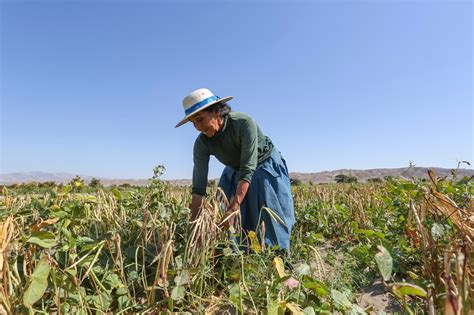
{"x": 39, "y": 177}
{"x": 364, "y": 175}
{"x": 319, "y": 177}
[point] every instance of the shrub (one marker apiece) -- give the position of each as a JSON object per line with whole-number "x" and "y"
{"x": 342, "y": 178}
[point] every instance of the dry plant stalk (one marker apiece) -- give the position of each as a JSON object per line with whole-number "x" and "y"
{"x": 442, "y": 205}
{"x": 6, "y": 234}
{"x": 164, "y": 258}
{"x": 166, "y": 254}
{"x": 206, "y": 229}
{"x": 455, "y": 270}
{"x": 320, "y": 270}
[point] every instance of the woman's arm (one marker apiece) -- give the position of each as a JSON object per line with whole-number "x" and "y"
{"x": 240, "y": 193}
{"x": 229, "y": 215}
{"x": 196, "y": 204}
{"x": 200, "y": 170}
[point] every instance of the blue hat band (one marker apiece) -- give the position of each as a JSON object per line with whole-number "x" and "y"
{"x": 201, "y": 104}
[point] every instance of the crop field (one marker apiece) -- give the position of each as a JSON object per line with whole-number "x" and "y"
{"x": 74, "y": 249}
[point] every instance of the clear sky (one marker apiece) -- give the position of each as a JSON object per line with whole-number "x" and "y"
{"x": 95, "y": 87}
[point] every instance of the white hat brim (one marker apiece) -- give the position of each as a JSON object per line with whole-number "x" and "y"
{"x": 186, "y": 119}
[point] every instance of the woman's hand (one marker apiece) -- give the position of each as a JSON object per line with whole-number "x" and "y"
{"x": 229, "y": 216}
{"x": 234, "y": 207}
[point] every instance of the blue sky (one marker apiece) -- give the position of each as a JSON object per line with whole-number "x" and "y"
{"x": 95, "y": 87}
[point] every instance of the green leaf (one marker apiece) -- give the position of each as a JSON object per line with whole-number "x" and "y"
{"x": 182, "y": 278}
{"x": 39, "y": 283}
{"x": 117, "y": 194}
{"x": 65, "y": 308}
{"x": 403, "y": 289}
{"x": 42, "y": 238}
{"x": 97, "y": 269}
{"x": 132, "y": 277}
{"x": 121, "y": 291}
{"x": 272, "y": 306}
{"x": 439, "y": 231}
{"x": 303, "y": 270}
{"x": 59, "y": 214}
{"x": 131, "y": 251}
{"x": 318, "y": 237}
{"x": 228, "y": 251}
{"x": 87, "y": 247}
{"x": 91, "y": 199}
{"x": 178, "y": 293}
{"x": 67, "y": 189}
{"x": 384, "y": 262}
{"x": 318, "y": 287}
{"x": 380, "y": 235}
{"x": 309, "y": 311}
{"x": 113, "y": 281}
{"x": 340, "y": 299}
{"x": 76, "y": 298}
{"x": 367, "y": 233}
{"x": 412, "y": 275}
{"x": 362, "y": 253}
{"x": 101, "y": 301}
{"x": 356, "y": 310}
{"x": 178, "y": 260}
{"x": 123, "y": 301}
{"x": 235, "y": 296}
{"x": 85, "y": 240}
{"x": 85, "y": 262}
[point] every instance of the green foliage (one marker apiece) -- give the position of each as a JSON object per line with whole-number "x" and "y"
{"x": 77, "y": 184}
{"x": 295, "y": 182}
{"x": 375, "y": 180}
{"x": 342, "y": 178}
{"x": 95, "y": 183}
{"x": 384, "y": 262}
{"x": 42, "y": 238}
{"x": 38, "y": 283}
{"x": 104, "y": 250}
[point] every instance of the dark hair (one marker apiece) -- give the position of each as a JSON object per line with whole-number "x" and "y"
{"x": 222, "y": 108}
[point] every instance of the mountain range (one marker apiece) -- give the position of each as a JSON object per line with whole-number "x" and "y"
{"x": 316, "y": 178}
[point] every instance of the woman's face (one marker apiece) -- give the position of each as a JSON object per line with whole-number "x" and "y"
{"x": 207, "y": 122}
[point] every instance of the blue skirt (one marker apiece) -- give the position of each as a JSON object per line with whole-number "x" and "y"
{"x": 270, "y": 187}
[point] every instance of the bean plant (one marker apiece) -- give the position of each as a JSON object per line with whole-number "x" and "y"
{"x": 122, "y": 250}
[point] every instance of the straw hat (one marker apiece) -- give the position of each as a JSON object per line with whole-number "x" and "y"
{"x": 198, "y": 100}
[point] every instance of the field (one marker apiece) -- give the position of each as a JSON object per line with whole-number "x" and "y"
{"x": 89, "y": 250}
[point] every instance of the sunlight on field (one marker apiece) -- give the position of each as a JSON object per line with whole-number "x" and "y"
{"x": 86, "y": 250}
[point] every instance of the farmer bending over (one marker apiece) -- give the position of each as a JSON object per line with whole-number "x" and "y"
{"x": 255, "y": 175}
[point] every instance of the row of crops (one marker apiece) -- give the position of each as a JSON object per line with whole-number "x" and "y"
{"x": 133, "y": 250}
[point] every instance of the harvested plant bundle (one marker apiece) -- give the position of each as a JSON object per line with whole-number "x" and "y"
{"x": 206, "y": 229}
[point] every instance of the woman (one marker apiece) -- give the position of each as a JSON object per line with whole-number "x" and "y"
{"x": 255, "y": 175}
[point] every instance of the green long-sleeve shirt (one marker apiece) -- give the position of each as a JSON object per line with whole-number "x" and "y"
{"x": 239, "y": 144}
